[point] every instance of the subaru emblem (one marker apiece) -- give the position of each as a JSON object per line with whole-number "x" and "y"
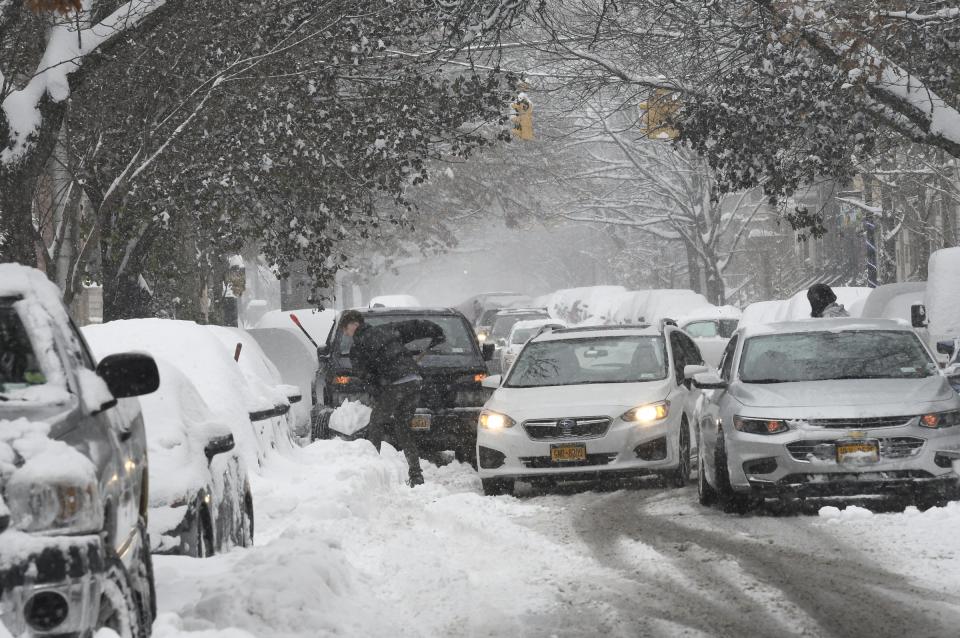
{"x": 566, "y": 426}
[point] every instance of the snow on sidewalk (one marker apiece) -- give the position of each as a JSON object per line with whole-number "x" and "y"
{"x": 344, "y": 547}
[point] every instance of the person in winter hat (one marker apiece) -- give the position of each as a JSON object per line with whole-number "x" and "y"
{"x": 380, "y": 357}
{"x": 823, "y": 302}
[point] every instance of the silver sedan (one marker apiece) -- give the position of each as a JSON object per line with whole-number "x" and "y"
{"x": 827, "y": 407}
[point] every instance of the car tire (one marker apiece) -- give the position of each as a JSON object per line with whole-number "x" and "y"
{"x": 497, "y": 487}
{"x": 119, "y": 609}
{"x": 731, "y": 501}
{"x": 148, "y": 586}
{"x": 925, "y": 498}
{"x": 202, "y": 535}
{"x": 706, "y": 495}
{"x": 680, "y": 477}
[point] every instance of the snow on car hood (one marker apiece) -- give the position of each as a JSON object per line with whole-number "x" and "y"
{"x": 846, "y": 392}
{"x": 589, "y": 399}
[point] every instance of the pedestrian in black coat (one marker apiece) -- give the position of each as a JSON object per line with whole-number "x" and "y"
{"x": 379, "y": 356}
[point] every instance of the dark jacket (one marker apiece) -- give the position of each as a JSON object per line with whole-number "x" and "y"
{"x": 379, "y": 354}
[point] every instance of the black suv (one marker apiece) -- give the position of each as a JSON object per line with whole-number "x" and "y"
{"x": 452, "y": 394}
{"x": 74, "y": 553}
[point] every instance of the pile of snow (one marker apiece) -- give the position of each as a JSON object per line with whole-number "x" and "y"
{"x": 394, "y": 301}
{"x": 798, "y": 306}
{"x": 350, "y": 417}
{"x": 704, "y": 313}
{"x": 893, "y": 301}
{"x": 345, "y": 548}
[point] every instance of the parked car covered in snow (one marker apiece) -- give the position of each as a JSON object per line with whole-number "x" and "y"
{"x": 827, "y": 407}
{"x": 200, "y": 501}
{"x": 451, "y": 394}
{"x": 522, "y": 332}
{"x": 585, "y": 403}
{"x": 74, "y": 552}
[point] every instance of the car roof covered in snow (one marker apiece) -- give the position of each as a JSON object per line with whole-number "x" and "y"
{"x": 583, "y": 332}
{"x": 822, "y": 325}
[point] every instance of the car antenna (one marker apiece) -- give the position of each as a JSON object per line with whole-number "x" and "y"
{"x": 294, "y": 319}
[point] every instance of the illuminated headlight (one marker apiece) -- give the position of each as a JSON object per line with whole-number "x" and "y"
{"x": 40, "y": 507}
{"x": 647, "y": 413}
{"x": 495, "y": 421}
{"x": 481, "y": 336}
{"x": 940, "y": 419}
{"x": 760, "y": 426}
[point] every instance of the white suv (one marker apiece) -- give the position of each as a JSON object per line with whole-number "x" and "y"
{"x": 584, "y": 403}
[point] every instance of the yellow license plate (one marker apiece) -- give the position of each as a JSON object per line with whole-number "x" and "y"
{"x": 569, "y": 452}
{"x": 858, "y": 451}
{"x": 420, "y": 422}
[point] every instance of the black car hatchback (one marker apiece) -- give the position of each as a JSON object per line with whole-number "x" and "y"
{"x": 452, "y": 372}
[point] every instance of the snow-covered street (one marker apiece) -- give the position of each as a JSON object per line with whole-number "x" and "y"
{"x": 343, "y": 547}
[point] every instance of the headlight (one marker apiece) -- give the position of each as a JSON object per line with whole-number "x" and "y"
{"x": 940, "y": 419}
{"x": 647, "y": 413}
{"x": 760, "y": 426}
{"x": 40, "y": 507}
{"x": 495, "y": 421}
{"x": 481, "y": 336}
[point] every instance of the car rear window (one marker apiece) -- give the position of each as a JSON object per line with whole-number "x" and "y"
{"x": 459, "y": 338}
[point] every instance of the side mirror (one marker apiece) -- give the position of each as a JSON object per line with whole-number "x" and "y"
{"x": 129, "y": 374}
{"x": 219, "y": 445}
{"x": 709, "y": 381}
{"x": 690, "y": 371}
{"x": 488, "y": 349}
{"x": 946, "y": 347}
{"x": 492, "y": 382}
{"x": 918, "y": 315}
{"x": 502, "y": 343}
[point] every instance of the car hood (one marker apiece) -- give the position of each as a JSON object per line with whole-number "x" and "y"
{"x": 867, "y": 393}
{"x": 593, "y": 399}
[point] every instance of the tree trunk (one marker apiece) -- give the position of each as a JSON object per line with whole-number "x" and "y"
{"x": 693, "y": 268}
{"x": 16, "y": 211}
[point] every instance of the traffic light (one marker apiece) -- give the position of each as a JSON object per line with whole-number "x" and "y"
{"x": 523, "y": 120}
{"x": 657, "y": 112}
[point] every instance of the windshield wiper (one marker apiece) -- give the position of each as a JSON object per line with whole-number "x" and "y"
{"x": 765, "y": 380}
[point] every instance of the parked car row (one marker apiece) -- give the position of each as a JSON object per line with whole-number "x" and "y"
{"x": 101, "y": 463}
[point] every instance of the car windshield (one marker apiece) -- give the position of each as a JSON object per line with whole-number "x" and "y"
{"x": 459, "y": 340}
{"x": 712, "y": 328}
{"x": 522, "y": 335}
{"x": 503, "y": 324}
{"x": 849, "y": 354}
{"x": 19, "y": 367}
{"x": 627, "y": 359}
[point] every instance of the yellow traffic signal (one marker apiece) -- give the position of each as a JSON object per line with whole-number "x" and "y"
{"x": 523, "y": 120}
{"x": 657, "y": 112}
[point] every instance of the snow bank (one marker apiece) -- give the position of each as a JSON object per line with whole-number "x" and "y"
{"x": 345, "y": 548}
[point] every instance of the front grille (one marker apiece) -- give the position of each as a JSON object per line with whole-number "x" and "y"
{"x": 545, "y": 461}
{"x": 860, "y": 424}
{"x": 898, "y": 447}
{"x": 590, "y": 427}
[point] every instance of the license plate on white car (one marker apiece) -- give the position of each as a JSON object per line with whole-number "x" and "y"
{"x": 421, "y": 422}
{"x": 858, "y": 452}
{"x": 568, "y": 452}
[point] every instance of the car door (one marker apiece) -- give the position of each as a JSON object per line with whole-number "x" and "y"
{"x": 683, "y": 395}
{"x": 713, "y": 403}
{"x": 693, "y": 405}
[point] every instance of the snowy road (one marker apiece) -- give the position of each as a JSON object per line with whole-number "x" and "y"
{"x": 344, "y": 548}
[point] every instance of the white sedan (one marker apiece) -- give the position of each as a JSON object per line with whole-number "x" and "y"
{"x": 584, "y": 403}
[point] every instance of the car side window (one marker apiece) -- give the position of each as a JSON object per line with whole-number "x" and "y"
{"x": 726, "y": 362}
{"x": 679, "y": 355}
{"x": 693, "y": 352}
